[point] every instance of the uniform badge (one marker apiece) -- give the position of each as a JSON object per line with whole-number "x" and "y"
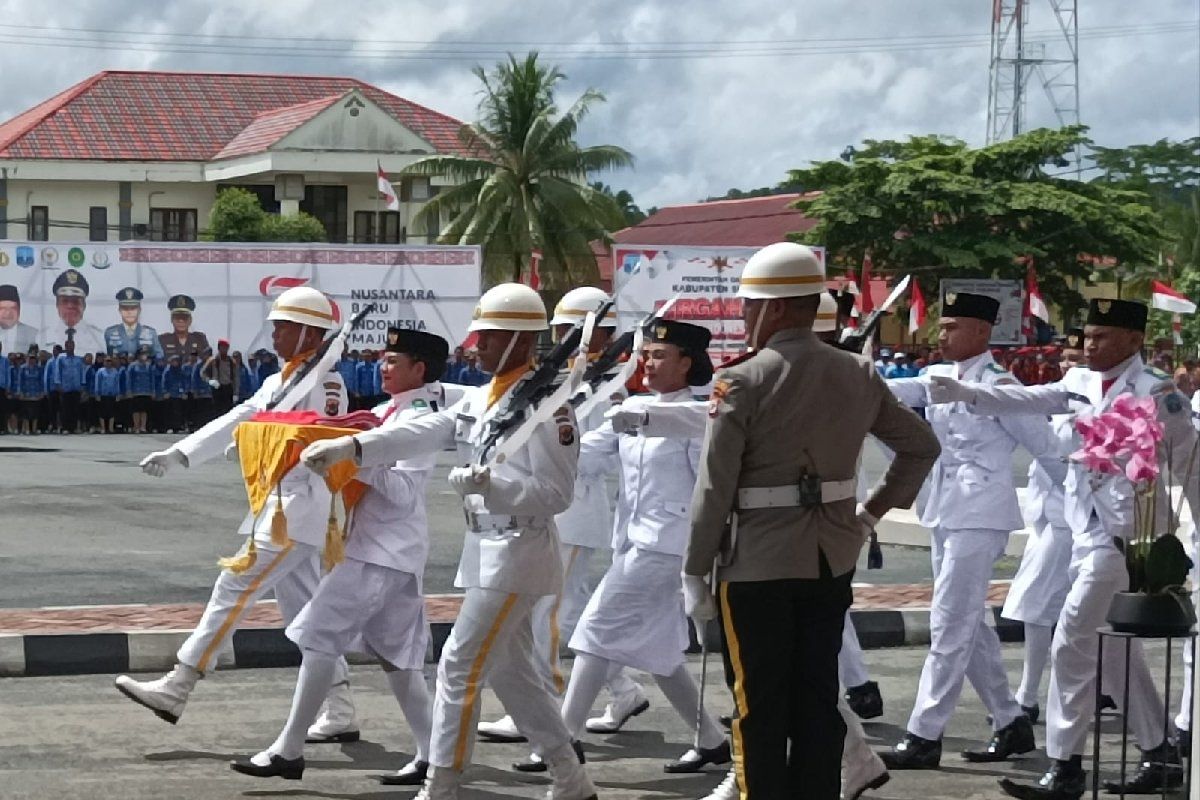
{"x": 1104, "y": 306}
{"x": 719, "y": 391}
{"x": 477, "y": 313}
{"x": 660, "y": 332}
{"x": 393, "y": 338}
{"x": 951, "y": 298}
{"x": 1073, "y": 342}
{"x": 72, "y": 277}
{"x": 129, "y": 294}
{"x": 419, "y": 403}
{"x": 566, "y": 435}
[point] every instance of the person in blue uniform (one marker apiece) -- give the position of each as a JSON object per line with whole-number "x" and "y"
{"x": 267, "y": 365}
{"x": 31, "y": 387}
{"x": 66, "y": 373}
{"x": 109, "y": 386}
{"x": 366, "y": 380}
{"x": 347, "y": 367}
{"x": 131, "y": 335}
{"x": 246, "y": 385}
{"x": 174, "y": 385}
{"x": 202, "y": 394}
{"x": 141, "y": 385}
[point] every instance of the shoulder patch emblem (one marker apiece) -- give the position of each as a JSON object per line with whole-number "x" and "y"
{"x": 719, "y": 391}
{"x": 994, "y": 367}
{"x": 1158, "y": 373}
{"x": 566, "y": 435}
{"x": 419, "y": 403}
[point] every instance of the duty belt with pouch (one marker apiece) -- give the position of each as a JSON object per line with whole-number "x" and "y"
{"x": 498, "y": 526}
{"x": 809, "y": 492}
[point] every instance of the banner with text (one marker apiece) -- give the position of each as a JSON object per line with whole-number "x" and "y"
{"x": 48, "y": 288}
{"x": 705, "y": 278}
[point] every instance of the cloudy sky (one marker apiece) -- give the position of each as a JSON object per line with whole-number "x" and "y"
{"x": 707, "y": 95}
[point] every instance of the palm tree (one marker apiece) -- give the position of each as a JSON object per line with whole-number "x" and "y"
{"x": 523, "y": 184}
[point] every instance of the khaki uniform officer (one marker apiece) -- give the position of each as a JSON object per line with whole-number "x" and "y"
{"x": 510, "y": 554}
{"x": 784, "y": 436}
{"x": 300, "y": 316}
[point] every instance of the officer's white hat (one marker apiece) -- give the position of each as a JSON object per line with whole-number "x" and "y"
{"x": 783, "y": 269}
{"x": 826, "y": 321}
{"x": 305, "y": 305}
{"x": 509, "y": 307}
{"x": 576, "y": 304}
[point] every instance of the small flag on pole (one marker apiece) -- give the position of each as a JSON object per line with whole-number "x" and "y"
{"x": 535, "y": 271}
{"x": 1036, "y": 306}
{"x": 387, "y": 192}
{"x": 1165, "y": 298}
{"x": 1177, "y": 328}
{"x": 865, "y": 304}
{"x": 916, "y": 309}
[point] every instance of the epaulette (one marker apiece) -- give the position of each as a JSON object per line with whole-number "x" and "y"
{"x": 733, "y": 362}
{"x": 994, "y": 367}
{"x": 1158, "y": 373}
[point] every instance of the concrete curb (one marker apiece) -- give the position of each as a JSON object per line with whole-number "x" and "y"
{"x": 35, "y": 655}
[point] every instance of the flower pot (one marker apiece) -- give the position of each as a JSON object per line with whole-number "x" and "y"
{"x": 1164, "y": 614}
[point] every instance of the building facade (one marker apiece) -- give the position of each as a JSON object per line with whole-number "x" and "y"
{"x": 142, "y": 155}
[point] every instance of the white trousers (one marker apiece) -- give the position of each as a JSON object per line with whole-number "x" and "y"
{"x": 491, "y": 642}
{"x": 293, "y": 572}
{"x": 1096, "y": 575}
{"x": 555, "y": 616}
{"x": 962, "y": 644}
{"x": 852, "y": 671}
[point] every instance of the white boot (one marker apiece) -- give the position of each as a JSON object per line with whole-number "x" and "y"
{"x": 571, "y": 781}
{"x": 618, "y": 711}
{"x": 167, "y": 696}
{"x": 502, "y": 730}
{"x": 864, "y": 770}
{"x": 338, "y": 722}
{"x": 726, "y": 789}
{"x": 442, "y": 784}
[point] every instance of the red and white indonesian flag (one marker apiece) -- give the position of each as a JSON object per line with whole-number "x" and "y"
{"x": 387, "y": 192}
{"x": 916, "y": 309}
{"x": 1036, "y": 305}
{"x": 1164, "y": 297}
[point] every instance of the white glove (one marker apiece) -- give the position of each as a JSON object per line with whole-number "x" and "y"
{"x": 320, "y": 456}
{"x": 214, "y": 383}
{"x": 943, "y": 389}
{"x": 625, "y": 420}
{"x": 474, "y": 479}
{"x": 231, "y": 452}
{"x": 158, "y": 464}
{"x": 698, "y": 600}
{"x": 866, "y": 519}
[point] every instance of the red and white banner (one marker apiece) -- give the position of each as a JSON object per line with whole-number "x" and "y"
{"x": 387, "y": 192}
{"x": 916, "y": 309}
{"x": 1165, "y": 298}
{"x": 1035, "y": 306}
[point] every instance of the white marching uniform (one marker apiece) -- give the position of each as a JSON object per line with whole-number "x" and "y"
{"x": 510, "y": 559}
{"x": 292, "y": 571}
{"x": 970, "y": 510}
{"x": 1100, "y": 511}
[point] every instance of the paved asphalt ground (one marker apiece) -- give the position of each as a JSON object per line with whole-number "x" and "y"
{"x": 83, "y": 526}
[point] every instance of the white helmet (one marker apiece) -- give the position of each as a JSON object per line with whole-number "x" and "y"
{"x": 305, "y": 305}
{"x": 783, "y": 269}
{"x": 826, "y": 321}
{"x": 576, "y": 304}
{"x": 509, "y": 307}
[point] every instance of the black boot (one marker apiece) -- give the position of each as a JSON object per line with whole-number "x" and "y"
{"x": 1183, "y": 737}
{"x": 1014, "y": 738}
{"x": 1033, "y": 712}
{"x": 913, "y": 752}
{"x": 291, "y": 769}
{"x": 696, "y": 759}
{"x": 411, "y": 774}
{"x": 1065, "y": 780}
{"x": 1160, "y": 769}
{"x": 865, "y": 700}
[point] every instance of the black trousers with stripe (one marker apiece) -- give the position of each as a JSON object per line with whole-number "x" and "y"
{"x": 782, "y": 640}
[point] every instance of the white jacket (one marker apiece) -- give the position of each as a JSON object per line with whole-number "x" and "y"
{"x": 531, "y": 487}
{"x": 658, "y": 475}
{"x": 306, "y": 499}
{"x": 588, "y": 521}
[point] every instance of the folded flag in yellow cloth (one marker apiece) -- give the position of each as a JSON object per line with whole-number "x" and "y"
{"x": 269, "y": 445}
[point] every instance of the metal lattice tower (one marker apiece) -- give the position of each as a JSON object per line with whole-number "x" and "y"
{"x": 1053, "y": 56}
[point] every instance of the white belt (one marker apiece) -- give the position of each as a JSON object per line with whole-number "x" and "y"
{"x": 789, "y": 496}
{"x": 478, "y": 523}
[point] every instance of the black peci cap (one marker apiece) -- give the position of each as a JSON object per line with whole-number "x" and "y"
{"x": 1074, "y": 339}
{"x": 1118, "y": 314}
{"x": 970, "y": 306}
{"x": 691, "y": 339}
{"x": 430, "y": 348}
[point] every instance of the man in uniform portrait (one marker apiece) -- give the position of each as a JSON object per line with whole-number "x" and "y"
{"x": 70, "y": 302}
{"x": 182, "y": 340}
{"x": 15, "y": 336}
{"x": 131, "y": 335}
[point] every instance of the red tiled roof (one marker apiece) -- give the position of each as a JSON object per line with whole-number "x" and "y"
{"x": 271, "y": 126}
{"x": 185, "y": 116}
{"x": 752, "y": 222}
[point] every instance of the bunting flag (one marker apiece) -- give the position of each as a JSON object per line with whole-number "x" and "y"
{"x": 533, "y": 278}
{"x": 916, "y": 309}
{"x": 387, "y": 192}
{"x": 1163, "y": 297}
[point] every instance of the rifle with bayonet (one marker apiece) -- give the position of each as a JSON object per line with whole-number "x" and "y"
{"x": 318, "y": 359}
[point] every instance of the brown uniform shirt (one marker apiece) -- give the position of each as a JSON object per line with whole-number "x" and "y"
{"x": 797, "y": 405}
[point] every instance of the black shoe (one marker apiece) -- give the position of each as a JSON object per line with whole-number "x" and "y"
{"x": 535, "y": 763}
{"x": 345, "y": 737}
{"x": 865, "y": 700}
{"x": 696, "y": 759}
{"x": 1062, "y": 782}
{"x": 1014, "y": 738}
{"x": 290, "y": 769}
{"x": 1107, "y": 703}
{"x": 1183, "y": 738}
{"x": 1160, "y": 770}
{"x": 411, "y": 774}
{"x": 913, "y": 752}
{"x": 1032, "y": 712}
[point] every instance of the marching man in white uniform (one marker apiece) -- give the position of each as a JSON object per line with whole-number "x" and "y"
{"x": 970, "y": 510}
{"x": 636, "y": 618}
{"x": 583, "y": 529}
{"x": 1100, "y": 512}
{"x": 301, "y": 316}
{"x": 510, "y": 556}
{"x": 1039, "y": 588}
{"x": 373, "y": 601}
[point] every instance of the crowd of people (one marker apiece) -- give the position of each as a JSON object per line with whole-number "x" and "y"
{"x": 56, "y": 390}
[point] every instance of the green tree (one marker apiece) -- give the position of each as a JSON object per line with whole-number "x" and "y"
{"x": 934, "y": 207}
{"x": 523, "y": 185}
{"x": 236, "y": 216}
{"x": 624, "y": 200}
